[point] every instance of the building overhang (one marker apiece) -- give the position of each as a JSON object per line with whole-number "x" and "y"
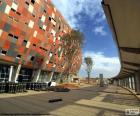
{"x": 124, "y": 20}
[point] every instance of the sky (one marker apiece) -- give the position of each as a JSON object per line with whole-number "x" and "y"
{"x": 89, "y": 18}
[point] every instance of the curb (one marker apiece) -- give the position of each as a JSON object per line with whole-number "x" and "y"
{"x": 131, "y": 92}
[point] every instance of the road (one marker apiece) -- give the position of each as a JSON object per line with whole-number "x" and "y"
{"x": 89, "y": 101}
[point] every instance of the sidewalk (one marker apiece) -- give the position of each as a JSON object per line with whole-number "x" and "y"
{"x": 30, "y": 92}
{"x": 113, "y": 101}
{"x": 133, "y": 92}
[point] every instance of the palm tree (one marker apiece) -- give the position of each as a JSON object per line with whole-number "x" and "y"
{"x": 71, "y": 43}
{"x": 89, "y": 64}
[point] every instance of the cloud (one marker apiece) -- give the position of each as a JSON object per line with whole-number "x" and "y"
{"x": 109, "y": 66}
{"x": 99, "y": 30}
{"x": 71, "y": 9}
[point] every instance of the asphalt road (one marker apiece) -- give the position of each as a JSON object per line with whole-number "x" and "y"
{"x": 71, "y": 104}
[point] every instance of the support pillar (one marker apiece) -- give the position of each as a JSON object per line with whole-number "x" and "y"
{"x": 10, "y": 74}
{"x": 51, "y": 76}
{"x": 132, "y": 87}
{"x": 36, "y": 75}
{"x": 137, "y": 82}
{"x": 127, "y": 80}
{"x": 17, "y": 73}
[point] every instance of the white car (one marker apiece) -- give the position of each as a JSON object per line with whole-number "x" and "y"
{"x": 51, "y": 83}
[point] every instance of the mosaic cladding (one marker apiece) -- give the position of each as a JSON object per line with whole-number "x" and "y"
{"x": 30, "y": 34}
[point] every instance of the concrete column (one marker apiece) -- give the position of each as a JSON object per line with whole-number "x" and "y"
{"x": 132, "y": 86}
{"x": 36, "y": 75}
{"x": 133, "y": 80}
{"x": 130, "y": 83}
{"x": 10, "y": 74}
{"x": 51, "y": 76}
{"x": 137, "y": 82}
{"x": 127, "y": 80}
{"x": 17, "y": 72}
{"x": 120, "y": 82}
{"x": 124, "y": 82}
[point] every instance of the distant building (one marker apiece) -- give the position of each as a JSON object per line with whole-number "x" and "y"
{"x": 30, "y": 41}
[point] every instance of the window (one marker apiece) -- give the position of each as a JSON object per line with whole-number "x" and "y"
{"x": 33, "y": 15}
{"x": 53, "y": 15}
{"x": 14, "y": 6}
{"x": 44, "y": 27}
{"x": 16, "y": 37}
{"x": 33, "y": 1}
{"x": 27, "y": 3}
{"x": 11, "y": 35}
{"x": 53, "y": 32}
{"x": 31, "y": 24}
{"x": 50, "y": 55}
{"x": 35, "y": 33}
{"x": 32, "y": 58}
{"x": 47, "y": 61}
{"x": 59, "y": 28}
{"x": 25, "y": 42}
{"x": 1, "y": 32}
{"x": 44, "y": 11}
{"x": 31, "y": 8}
{"x": 34, "y": 45}
{"x": 7, "y": 9}
{"x": 43, "y": 18}
{"x": 13, "y": 10}
{"x": 28, "y": 44}
{"x": 18, "y": 13}
{"x": 3, "y": 52}
{"x": 50, "y": 18}
{"x": 18, "y": 56}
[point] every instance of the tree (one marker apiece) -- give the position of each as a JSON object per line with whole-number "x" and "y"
{"x": 71, "y": 43}
{"x": 89, "y": 64}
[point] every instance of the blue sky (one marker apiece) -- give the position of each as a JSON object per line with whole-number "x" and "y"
{"x": 88, "y": 16}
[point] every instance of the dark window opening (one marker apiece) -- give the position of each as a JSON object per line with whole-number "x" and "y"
{"x": 25, "y": 75}
{"x": 59, "y": 28}
{"x": 33, "y": 15}
{"x": 32, "y": 58}
{"x": 16, "y": 37}
{"x": 18, "y": 56}
{"x": 50, "y": 18}
{"x": 4, "y": 73}
{"x": 27, "y": 3}
{"x": 26, "y": 23}
{"x": 4, "y": 52}
{"x": 44, "y": 10}
{"x": 51, "y": 62}
{"x": 25, "y": 42}
{"x": 33, "y": 1}
{"x": 18, "y": 13}
{"x": 13, "y": 10}
{"x": 34, "y": 44}
{"x": 10, "y": 17}
{"x": 11, "y": 35}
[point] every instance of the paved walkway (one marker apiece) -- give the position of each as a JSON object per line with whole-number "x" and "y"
{"x": 89, "y": 101}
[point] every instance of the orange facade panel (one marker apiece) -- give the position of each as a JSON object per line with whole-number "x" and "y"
{"x": 33, "y": 31}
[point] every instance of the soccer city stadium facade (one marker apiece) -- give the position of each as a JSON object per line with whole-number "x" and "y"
{"x": 30, "y": 42}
